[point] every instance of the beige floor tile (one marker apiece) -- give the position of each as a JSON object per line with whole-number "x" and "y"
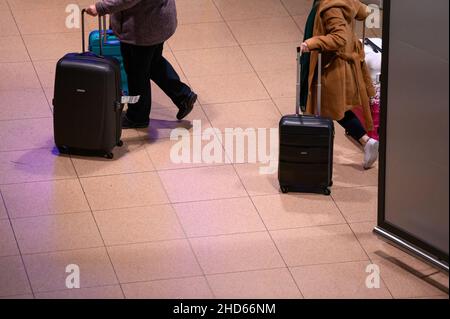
{"x": 18, "y": 75}
{"x": 152, "y": 261}
{"x": 344, "y": 145}
{"x": 8, "y": 245}
{"x": 42, "y": 21}
{"x": 37, "y": 5}
{"x": 337, "y": 281}
{"x": 12, "y": 49}
{"x": 403, "y": 284}
{"x": 228, "y": 88}
{"x": 255, "y": 181}
{"x": 3, "y": 5}
{"x": 272, "y": 57}
{"x": 252, "y": 114}
{"x": 34, "y": 165}
{"x": 292, "y": 211}
{"x": 318, "y": 245}
{"x": 202, "y": 183}
{"x": 219, "y": 217}
{"x": 240, "y": 252}
{"x": 52, "y": 46}
{"x": 184, "y": 288}
{"x": 46, "y": 72}
{"x": 286, "y": 105}
{"x": 56, "y": 233}
{"x": 137, "y": 225}
{"x": 22, "y": 104}
{"x": 271, "y": 30}
{"x": 7, "y": 23}
{"x": 250, "y": 9}
{"x": 163, "y": 121}
{"x": 357, "y": 204}
{"x": 161, "y": 100}
{"x": 3, "y": 214}
{"x": 166, "y": 153}
{"x": 280, "y": 84}
{"x": 300, "y": 20}
{"x": 48, "y": 271}
{"x": 441, "y": 279}
{"x": 378, "y": 248}
{"x": 26, "y": 134}
{"x": 432, "y": 297}
{"x": 262, "y": 284}
{"x": 13, "y": 279}
{"x": 296, "y": 7}
{"x": 197, "y": 11}
{"x": 170, "y": 57}
{"x": 216, "y": 61}
{"x": 253, "y": 145}
{"x": 349, "y": 172}
{"x": 207, "y": 35}
{"x": 122, "y": 191}
{"x": 106, "y": 292}
{"x": 19, "y": 297}
{"x": 44, "y": 198}
{"x": 127, "y": 159}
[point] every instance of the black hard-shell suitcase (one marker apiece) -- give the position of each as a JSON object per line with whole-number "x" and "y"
{"x": 87, "y": 103}
{"x": 306, "y": 147}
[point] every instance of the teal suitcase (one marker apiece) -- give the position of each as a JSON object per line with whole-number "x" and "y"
{"x": 110, "y": 48}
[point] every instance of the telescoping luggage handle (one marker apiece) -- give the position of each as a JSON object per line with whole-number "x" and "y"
{"x": 101, "y": 30}
{"x": 298, "y": 109}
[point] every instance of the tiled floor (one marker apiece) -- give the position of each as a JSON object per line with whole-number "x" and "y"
{"x": 142, "y": 226}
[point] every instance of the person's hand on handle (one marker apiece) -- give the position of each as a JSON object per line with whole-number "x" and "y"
{"x": 92, "y": 10}
{"x": 304, "y": 47}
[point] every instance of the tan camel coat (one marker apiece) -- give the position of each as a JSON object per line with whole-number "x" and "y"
{"x": 346, "y": 80}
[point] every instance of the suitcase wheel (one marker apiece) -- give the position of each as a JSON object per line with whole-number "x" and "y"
{"x": 284, "y": 189}
{"x": 326, "y": 191}
{"x": 120, "y": 143}
{"x": 63, "y": 150}
{"x": 109, "y": 155}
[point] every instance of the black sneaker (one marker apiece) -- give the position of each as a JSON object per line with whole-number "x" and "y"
{"x": 126, "y": 123}
{"x": 187, "y": 106}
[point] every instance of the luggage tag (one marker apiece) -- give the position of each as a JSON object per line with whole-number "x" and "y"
{"x": 130, "y": 99}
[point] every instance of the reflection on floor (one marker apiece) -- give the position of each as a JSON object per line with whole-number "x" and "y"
{"x": 141, "y": 226}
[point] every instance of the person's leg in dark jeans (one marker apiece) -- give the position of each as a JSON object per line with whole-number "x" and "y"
{"x": 137, "y": 62}
{"x": 164, "y": 75}
{"x": 143, "y": 63}
{"x": 354, "y": 128}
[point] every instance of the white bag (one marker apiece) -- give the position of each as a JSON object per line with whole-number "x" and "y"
{"x": 373, "y": 57}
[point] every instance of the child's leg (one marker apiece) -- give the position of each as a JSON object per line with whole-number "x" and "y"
{"x": 354, "y": 128}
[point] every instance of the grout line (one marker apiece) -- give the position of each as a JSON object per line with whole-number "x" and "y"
{"x": 31, "y": 60}
{"x": 97, "y": 226}
{"x": 82, "y": 288}
{"x": 361, "y": 245}
{"x": 18, "y": 246}
{"x": 182, "y": 227}
{"x": 234, "y": 168}
{"x": 26, "y": 118}
{"x": 155, "y": 241}
{"x": 1, "y": 195}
